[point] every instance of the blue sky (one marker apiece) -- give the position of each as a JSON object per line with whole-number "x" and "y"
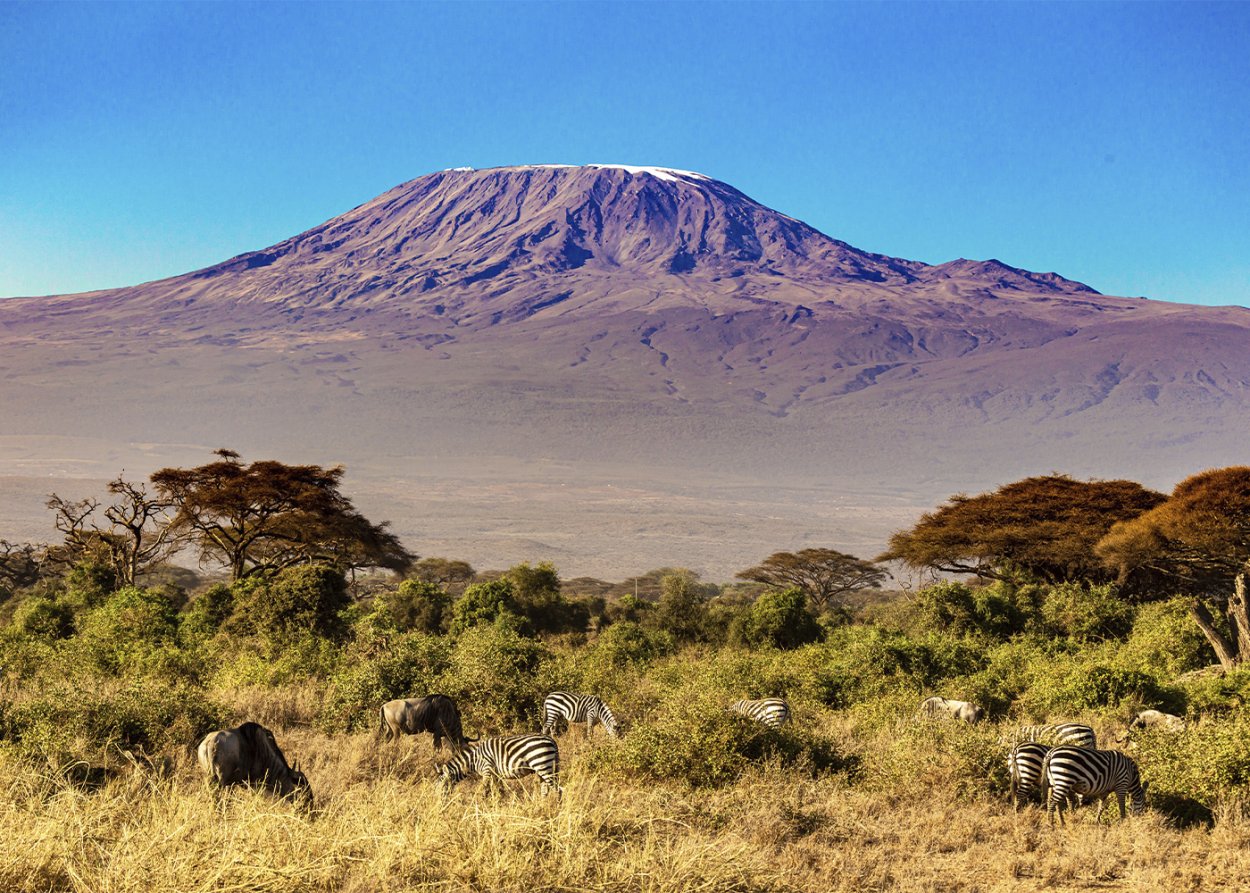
{"x": 1107, "y": 142}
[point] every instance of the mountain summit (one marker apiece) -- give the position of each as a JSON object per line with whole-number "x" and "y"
{"x": 472, "y": 245}
{"x": 520, "y": 329}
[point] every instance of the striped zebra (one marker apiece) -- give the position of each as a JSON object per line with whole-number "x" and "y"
{"x": 494, "y": 759}
{"x": 1078, "y": 773}
{"x": 1025, "y": 764}
{"x": 772, "y": 712}
{"x": 560, "y": 705}
{"x": 1062, "y": 734}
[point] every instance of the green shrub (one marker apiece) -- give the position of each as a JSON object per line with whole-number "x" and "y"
{"x": 1166, "y": 640}
{"x": 493, "y": 602}
{"x": 207, "y": 613}
{"x": 412, "y": 666}
{"x": 692, "y": 738}
{"x": 959, "y": 609}
{"x": 1208, "y": 762}
{"x": 297, "y": 601}
{"x": 414, "y": 607}
{"x": 779, "y": 618}
{"x": 41, "y": 617}
{"x": 494, "y": 674}
{"x": 131, "y": 632}
{"x": 1089, "y": 687}
{"x": 1085, "y": 613}
{"x": 77, "y": 721}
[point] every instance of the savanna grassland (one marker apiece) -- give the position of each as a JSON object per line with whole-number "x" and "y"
{"x": 111, "y": 672}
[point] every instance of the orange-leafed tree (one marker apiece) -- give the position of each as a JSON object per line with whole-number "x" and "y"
{"x": 1044, "y": 528}
{"x": 1197, "y": 543}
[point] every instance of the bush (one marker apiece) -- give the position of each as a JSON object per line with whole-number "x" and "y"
{"x": 207, "y": 613}
{"x": 44, "y": 618}
{"x": 77, "y": 721}
{"x": 1166, "y": 640}
{"x": 1208, "y": 762}
{"x": 956, "y": 608}
{"x": 693, "y": 739}
{"x": 915, "y": 758}
{"x": 1089, "y": 687}
{"x": 411, "y": 667}
{"x": 414, "y": 607}
{"x": 779, "y": 618}
{"x": 299, "y": 600}
{"x": 133, "y": 632}
{"x": 494, "y": 674}
{"x": 1086, "y": 614}
{"x": 493, "y": 602}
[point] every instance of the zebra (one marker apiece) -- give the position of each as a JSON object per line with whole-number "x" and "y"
{"x": 1063, "y": 734}
{"x": 1080, "y": 773}
{"x": 560, "y": 705}
{"x": 944, "y": 708}
{"x": 506, "y": 757}
{"x": 1025, "y": 764}
{"x": 772, "y": 712}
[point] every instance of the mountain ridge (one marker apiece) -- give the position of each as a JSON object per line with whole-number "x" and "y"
{"x": 561, "y": 322}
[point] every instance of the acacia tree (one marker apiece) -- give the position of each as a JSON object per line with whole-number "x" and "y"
{"x": 824, "y": 575}
{"x": 138, "y": 535}
{"x": 1196, "y": 543}
{"x": 265, "y": 516}
{"x": 1040, "y": 527}
{"x": 20, "y": 564}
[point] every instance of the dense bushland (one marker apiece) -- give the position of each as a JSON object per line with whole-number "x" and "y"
{"x": 105, "y": 673}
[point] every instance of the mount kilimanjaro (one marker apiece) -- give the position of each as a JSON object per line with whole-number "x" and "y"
{"x": 615, "y": 368}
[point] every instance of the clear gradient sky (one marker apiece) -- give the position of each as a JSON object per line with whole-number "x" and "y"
{"x": 1106, "y": 142}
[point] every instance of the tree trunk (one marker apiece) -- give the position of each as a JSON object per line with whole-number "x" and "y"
{"x": 1239, "y": 616}
{"x": 1225, "y": 649}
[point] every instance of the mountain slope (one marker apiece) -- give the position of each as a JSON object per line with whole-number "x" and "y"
{"x": 519, "y": 329}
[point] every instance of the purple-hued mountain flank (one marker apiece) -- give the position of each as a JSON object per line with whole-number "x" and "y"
{"x": 614, "y": 368}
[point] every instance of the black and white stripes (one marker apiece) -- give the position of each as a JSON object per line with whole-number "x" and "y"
{"x": 1025, "y": 765}
{"x": 562, "y": 706}
{"x": 772, "y": 712}
{"x": 1063, "y": 734}
{"x": 507, "y": 757}
{"x": 1078, "y": 773}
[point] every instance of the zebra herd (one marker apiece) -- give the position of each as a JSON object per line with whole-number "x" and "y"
{"x": 253, "y": 756}
{"x": 1062, "y": 764}
{"x": 1059, "y": 763}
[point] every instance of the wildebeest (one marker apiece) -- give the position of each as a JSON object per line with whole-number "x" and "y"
{"x": 250, "y": 755}
{"x": 436, "y": 714}
{"x": 942, "y": 708}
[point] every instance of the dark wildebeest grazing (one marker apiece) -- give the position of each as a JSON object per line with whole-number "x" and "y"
{"x": 250, "y": 755}
{"x": 436, "y": 714}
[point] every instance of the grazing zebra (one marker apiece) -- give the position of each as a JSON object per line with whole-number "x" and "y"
{"x": 1063, "y": 734}
{"x": 942, "y": 708}
{"x": 1080, "y": 773}
{"x": 772, "y": 712}
{"x": 512, "y": 757}
{"x": 1025, "y": 764}
{"x": 560, "y": 705}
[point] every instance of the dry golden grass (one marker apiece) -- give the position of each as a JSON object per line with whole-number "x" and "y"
{"x": 380, "y": 824}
